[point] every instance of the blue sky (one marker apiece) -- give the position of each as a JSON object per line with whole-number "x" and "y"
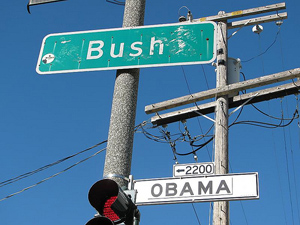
{"x": 45, "y": 118}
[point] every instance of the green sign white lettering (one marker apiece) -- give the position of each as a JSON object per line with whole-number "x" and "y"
{"x": 146, "y": 46}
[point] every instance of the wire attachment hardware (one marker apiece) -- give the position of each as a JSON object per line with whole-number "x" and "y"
{"x": 112, "y": 175}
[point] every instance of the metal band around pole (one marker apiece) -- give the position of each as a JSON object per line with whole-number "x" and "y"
{"x": 116, "y": 176}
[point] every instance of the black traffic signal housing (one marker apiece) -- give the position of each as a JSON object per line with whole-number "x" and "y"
{"x": 100, "y": 220}
{"x": 112, "y": 203}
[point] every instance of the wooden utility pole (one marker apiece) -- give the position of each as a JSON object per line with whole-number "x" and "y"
{"x": 221, "y": 105}
{"x": 121, "y": 130}
{"x": 221, "y": 208}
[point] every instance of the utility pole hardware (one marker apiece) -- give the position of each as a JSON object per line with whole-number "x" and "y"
{"x": 223, "y": 89}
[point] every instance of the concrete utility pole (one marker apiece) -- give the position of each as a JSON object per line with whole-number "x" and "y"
{"x": 221, "y": 209}
{"x": 121, "y": 130}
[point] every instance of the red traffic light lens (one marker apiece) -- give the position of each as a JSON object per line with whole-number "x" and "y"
{"x": 111, "y": 202}
{"x": 107, "y": 210}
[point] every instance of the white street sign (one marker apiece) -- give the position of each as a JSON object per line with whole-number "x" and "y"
{"x": 197, "y": 189}
{"x": 193, "y": 169}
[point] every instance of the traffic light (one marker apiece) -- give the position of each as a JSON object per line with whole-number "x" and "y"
{"x": 100, "y": 220}
{"x": 112, "y": 203}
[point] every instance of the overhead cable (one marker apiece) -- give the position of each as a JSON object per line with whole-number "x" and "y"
{"x": 116, "y": 2}
{"x": 54, "y": 175}
{"x": 267, "y": 49}
{"x": 12, "y": 180}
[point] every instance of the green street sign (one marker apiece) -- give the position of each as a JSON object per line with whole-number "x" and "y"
{"x": 137, "y": 47}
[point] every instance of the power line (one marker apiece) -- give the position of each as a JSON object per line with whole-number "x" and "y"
{"x": 195, "y": 102}
{"x": 269, "y": 125}
{"x": 205, "y": 77}
{"x": 244, "y": 212}
{"x": 25, "y": 175}
{"x": 172, "y": 142}
{"x": 261, "y": 55}
{"x": 293, "y": 161}
{"x": 278, "y": 174}
{"x": 268, "y": 115}
{"x": 116, "y": 2}
{"x": 293, "y": 169}
{"x": 292, "y": 154}
{"x": 20, "y": 177}
{"x": 267, "y": 49}
{"x": 196, "y": 214}
{"x": 54, "y": 175}
{"x": 288, "y": 171}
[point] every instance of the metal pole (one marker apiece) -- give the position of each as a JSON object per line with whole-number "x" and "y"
{"x": 221, "y": 208}
{"x": 121, "y": 130}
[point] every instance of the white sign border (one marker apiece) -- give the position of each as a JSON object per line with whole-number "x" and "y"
{"x": 208, "y": 199}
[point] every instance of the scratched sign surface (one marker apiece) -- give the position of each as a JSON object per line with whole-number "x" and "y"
{"x": 147, "y": 46}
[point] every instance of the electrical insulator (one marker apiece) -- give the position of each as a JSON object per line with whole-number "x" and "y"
{"x": 257, "y": 29}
